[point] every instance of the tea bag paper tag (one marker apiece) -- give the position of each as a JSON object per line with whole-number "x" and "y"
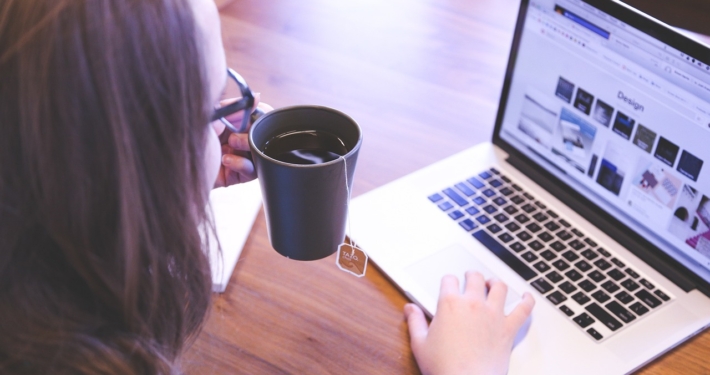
{"x": 351, "y": 259}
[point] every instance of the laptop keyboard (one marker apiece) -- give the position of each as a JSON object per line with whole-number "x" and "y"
{"x": 589, "y": 284}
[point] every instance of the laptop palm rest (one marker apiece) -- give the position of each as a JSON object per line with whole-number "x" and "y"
{"x": 456, "y": 260}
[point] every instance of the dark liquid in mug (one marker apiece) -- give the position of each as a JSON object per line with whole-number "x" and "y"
{"x": 305, "y": 147}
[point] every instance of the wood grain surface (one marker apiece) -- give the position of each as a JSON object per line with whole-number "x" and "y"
{"x": 422, "y": 78}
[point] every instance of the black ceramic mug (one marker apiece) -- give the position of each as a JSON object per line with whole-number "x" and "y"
{"x": 305, "y": 204}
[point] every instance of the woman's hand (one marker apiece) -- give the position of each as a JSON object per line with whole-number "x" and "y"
{"x": 470, "y": 334}
{"x": 237, "y": 166}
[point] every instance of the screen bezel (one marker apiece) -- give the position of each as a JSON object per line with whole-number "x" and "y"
{"x": 649, "y": 252}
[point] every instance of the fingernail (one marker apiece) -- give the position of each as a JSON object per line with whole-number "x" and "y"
{"x": 226, "y": 159}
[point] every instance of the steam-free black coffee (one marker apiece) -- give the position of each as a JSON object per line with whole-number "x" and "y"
{"x": 305, "y": 147}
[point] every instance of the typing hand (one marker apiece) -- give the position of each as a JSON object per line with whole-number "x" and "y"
{"x": 237, "y": 166}
{"x": 470, "y": 334}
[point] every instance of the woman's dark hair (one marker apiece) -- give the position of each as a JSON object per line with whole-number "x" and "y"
{"x": 103, "y": 124}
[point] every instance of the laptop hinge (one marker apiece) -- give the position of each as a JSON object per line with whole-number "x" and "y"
{"x": 649, "y": 253}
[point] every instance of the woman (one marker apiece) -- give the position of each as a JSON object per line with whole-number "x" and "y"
{"x": 107, "y": 156}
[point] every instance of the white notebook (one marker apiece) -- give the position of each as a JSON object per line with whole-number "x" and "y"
{"x": 235, "y": 208}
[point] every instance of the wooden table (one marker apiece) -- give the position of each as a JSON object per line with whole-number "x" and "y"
{"x": 416, "y": 74}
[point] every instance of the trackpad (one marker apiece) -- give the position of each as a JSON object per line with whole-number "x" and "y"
{"x": 453, "y": 260}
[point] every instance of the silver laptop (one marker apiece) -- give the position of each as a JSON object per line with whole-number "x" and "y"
{"x": 594, "y": 194}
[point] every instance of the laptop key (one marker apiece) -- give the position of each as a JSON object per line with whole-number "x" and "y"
{"x": 566, "y": 310}
{"x": 554, "y": 277}
{"x": 564, "y": 235}
{"x": 529, "y": 256}
{"x": 506, "y": 191}
{"x": 600, "y": 296}
{"x": 573, "y": 275}
{"x": 662, "y": 295}
{"x": 468, "y": 225}
{"x": 583, "y": 320}
{"x": 446, "y": 206}
{"x": 620, "y": 312}
{"x": 548, "y": 255}
{"x": 485, "y": 175}
{"x": 504, "y": 178}
{"x": 618, "y": 263}
{"x": 517, "y": 199}
{"x": 488, "y": 192}
{"x": 494, "y": 171}
{"x": 505, "y": 237}
{"x": 556, "y": 297}
{"x": 506, "y": 256}
{"x": 558, "y": 246}
{"x": 577, "y": 232}
{"x": 516, "y": 187}
{"x": 512, "y": 226}
{"x": 522, "y": 219}
{"x": 602, "y": 264}
{"x": 500, "y": 201}
{"x": 510, "y": 210}
{"x": 596, "y": 335}
{"x": 560, "y": 264}
{"x": 624, "y": 297}
{"x": 570, "y": 256}
{"x": 603, "y": 252}
{"x": 540, "y": 217}
{"x": 490, "y": 208}
{"x": 576, "y": 244}
{"x": 435, "y": 197}
{"x": 517, "y": 247}
{"x": 648, "y": 285}
{"x": 476, "y": 183}
{"x": 552, "y": 226}
{"x": 583, "y": 266}
{"x": 552, "y": 214}
{"x": 541, "y": 266}
{"x": 483, "y": 219}
{"x": 581, "y": 298}
{"x": 632, "y": 273}
{"x": 541, "y": 205}
{"x": 630, "y": 285}
{"x": 461, "y": 201}
{"x": 610, "y": 287}
{"x": 536, "y": 245}
{"x": 494, "y": 228}
{"x": 638, "y": 308}
{"x": 456, "y": 214}
{"x": 590, "y": 242}
{"x": 596, "y": 276}
{"x": 545, "y": 236}
{"x": 616, "y": 274}
{"x": 541, "y": 285}
{"x": 472, "y": 210}
{"x": 524, "y": 236}
{"x": 587, "y": 285}
{"x": 528, "y": 208}
{"x": 564, "y": 223}
{"x": 603, "y": 316}
{"x": 501, "y": 218}
{"x": 533, "y": 227}
{"x": 589, "y": 254}
{"x": 479, "y": 201}
{"x": 528, "y": 196}
{"x": 649, "y": 299}
{"x": 467, "y": 191}
{"x": 567, "y": 287}
{"x": 495, "y": 183}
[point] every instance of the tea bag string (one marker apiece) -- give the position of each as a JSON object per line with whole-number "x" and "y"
{"x": 347, "y": 205}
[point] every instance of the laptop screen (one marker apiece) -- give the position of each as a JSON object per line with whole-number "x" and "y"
{"x": 621, "y": 117}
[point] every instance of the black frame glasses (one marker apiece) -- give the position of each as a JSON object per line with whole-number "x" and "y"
{"x": 246, "y": 103}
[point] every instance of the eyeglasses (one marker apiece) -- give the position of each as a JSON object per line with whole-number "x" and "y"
{"x": 245, "y": 103}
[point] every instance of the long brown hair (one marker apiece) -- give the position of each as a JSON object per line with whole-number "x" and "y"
{"x": 103, "y": 119}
